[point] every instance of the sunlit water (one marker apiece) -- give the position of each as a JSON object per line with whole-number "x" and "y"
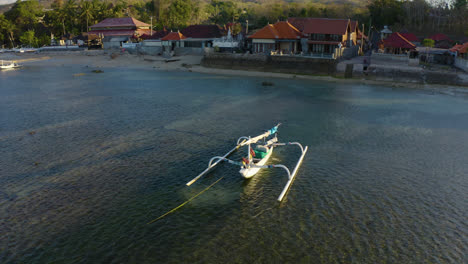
{"x": 86, "y": 161}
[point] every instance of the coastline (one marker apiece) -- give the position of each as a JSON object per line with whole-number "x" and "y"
{"x": 96, "y": 59}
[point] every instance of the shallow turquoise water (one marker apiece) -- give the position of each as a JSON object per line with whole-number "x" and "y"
{"x": 87, "y": 161}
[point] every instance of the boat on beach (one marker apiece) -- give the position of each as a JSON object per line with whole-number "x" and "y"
{"x": 259, "y": 151}
{"x": 4, "y": 65}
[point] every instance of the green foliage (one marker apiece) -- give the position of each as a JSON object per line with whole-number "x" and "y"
{"x": 7, "y": 29}
{"x": 460, "y": 4}
{"x": 236, "y": 28}
{"x": 76, "y": 16}
{"x": 25, "y": 13}
{"x": 43, "y": 40}
{"x": 28, "y": 38}
{"x": 385, "y": 12}
{"x": 179, "y": 13}
{"x": 428, "y": 43}
{"x": 223, "y": 12}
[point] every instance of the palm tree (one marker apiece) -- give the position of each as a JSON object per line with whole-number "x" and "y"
{"x": 69, "y": 10}
{"x": 86, "y": 11}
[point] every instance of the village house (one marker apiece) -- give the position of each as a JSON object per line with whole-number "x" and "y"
{"x": 461, "y": 58}
{"x": 397, "y": 44}
{"x": 173, "y": 40}
{"x": 119, "y": 30}
{"x": 461, "y": 50}
{"x": 201, "y": 36}
{"x": 326, "y": 36}
{"x": 155, "y": 39}
{"x": 282, "y": 37}
{"x": 411, "y": 38}
{"x": 441, "y": 41}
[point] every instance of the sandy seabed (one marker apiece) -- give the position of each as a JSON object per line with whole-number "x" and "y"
{"x": 96, "y": 59}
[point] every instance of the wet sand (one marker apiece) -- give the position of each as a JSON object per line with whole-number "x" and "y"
{"x": 96, "y": 59}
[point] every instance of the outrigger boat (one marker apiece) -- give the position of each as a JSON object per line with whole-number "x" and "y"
{"x": 8, "y": 65}
{"x": 257, "y": 156}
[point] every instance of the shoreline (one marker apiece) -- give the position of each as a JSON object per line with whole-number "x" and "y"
{"x": 192, "y": 63}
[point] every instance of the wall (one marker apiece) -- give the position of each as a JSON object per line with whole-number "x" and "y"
{"x": 417, "y": 75}
{"x": 150, "y": 50}
{"x": 111, "y": 45}
{"x": 391, "y": 57}
{"x": 461, "y": 63}
{"x": 266, "y": 63}
{"x": 151, "y": 43}
{"x": 350, "y": 52}
{"x": 188, "y": 51}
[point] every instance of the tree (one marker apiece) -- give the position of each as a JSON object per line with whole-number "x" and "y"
{"x": 29, "y": 38}
{"x": 428, "y": 43}
{"x": 385, "y": 12}
{"x": 7, "y": 28}
{"x": 25, "y": 14}
{"x": 223, "y": 12}
{"x": 86, "y": 11}
{"x": 179, "y": 13}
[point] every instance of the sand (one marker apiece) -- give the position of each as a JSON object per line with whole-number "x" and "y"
{"x": 96, "y": 59}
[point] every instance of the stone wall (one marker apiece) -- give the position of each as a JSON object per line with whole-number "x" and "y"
{"x": 418, "y": 75}
{"x": 389, "y": 57}
{"x": 267, "y": 63}
{"x": 461, "y": 64}
{"x": 188, "y": 51}
{"x": 150, "y": 50}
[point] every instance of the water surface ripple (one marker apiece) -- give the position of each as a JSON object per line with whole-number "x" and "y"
{"x": 86, "y": 161}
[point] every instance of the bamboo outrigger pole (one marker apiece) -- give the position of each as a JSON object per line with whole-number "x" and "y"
{"x": 212, "y": 165}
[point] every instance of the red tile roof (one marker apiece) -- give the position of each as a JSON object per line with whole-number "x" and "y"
{"x": 173, "y": 36}
{"x": 120, "y": 22}
{"x": 120, "y": 32}
{"x": 396, "y": 40}
{"x": 410, "y": 36}
{"x": 202, "y": 31}
{"x": 280, "y": 30}
{"x": 439, "y": 37}
{"x": 320, "y": 25}
{"x": 463, "y": 48}
{"x": 160, "y": 34}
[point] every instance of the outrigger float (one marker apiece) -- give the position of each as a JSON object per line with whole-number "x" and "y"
{"x": 257, "y": 156}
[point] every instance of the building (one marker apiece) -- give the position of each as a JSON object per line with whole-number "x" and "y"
{"x": 173, "y": 40}
{"x": 124, "y": 26}
{"x": 397, "y": 44}
{"x": 282, "y": 37}
{"x": 412, "y": 38}
{"x": 461, "y": 50}
{"x": 325, "y": 35}
{"x": 118, "y": 30}
{"x": 441, "y": 41}
{"x": 201, "y": 36}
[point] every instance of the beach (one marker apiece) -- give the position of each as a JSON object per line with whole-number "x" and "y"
{"x": 100, "y": 59}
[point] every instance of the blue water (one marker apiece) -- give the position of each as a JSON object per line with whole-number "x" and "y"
{"x": 86, "y": 161}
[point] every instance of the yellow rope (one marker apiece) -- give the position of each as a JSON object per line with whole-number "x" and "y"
{"x": 173, "y": 210}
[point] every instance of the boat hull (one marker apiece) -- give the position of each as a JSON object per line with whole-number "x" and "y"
{"x": 250, "y": 172}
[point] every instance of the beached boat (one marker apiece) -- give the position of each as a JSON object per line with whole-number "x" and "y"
{"x": 257, "y": 156}
{"x": 8, "y": 65}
